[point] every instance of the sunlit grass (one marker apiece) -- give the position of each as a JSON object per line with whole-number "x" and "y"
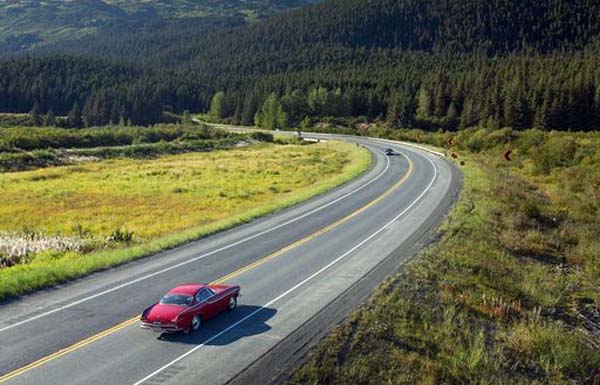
{"x": 509, "y": 295}
{"x": 163, "y": 201}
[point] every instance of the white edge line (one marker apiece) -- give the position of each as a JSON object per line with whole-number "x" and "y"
{"x": 209, "y": 340}
{"x": 178, "y": 265}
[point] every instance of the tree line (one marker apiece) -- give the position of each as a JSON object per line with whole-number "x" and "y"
{"x": 424, "y": 64}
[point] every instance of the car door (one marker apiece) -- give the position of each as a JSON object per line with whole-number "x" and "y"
{"x": 207, "y": 308}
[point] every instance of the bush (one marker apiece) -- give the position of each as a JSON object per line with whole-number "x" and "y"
{"x": 121, "y": 236}
{"x": 262, "y": 136}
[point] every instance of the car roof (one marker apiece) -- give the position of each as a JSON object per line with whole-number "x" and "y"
{"x": 188, "y": 288}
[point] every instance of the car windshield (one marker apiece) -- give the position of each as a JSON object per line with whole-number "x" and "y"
{"x": 177, "y": 299}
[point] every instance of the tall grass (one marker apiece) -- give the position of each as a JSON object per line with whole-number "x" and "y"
{"x": 163, "y": 202}
{"x": 511, "y": 293}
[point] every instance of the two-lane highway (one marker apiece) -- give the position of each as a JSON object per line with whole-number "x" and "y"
{"x": 290, "y": 265}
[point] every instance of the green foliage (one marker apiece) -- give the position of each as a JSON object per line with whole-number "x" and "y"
{"x": 205, "y": 193}
{"x": 27, "y": 25}
{"x": 75, "y": 119}
{"x": 187, "y": 118}
{"x": 121, "y": 236}
{"x": 262, "y": 136}
{"x": 271, "y": 115}
{"x": 15, "y": 120}
{"x": 50, "y": 119}
{"x": 510, "y": 294}
{"x": 336, "y": 59}
{"x": 217, "y": 106}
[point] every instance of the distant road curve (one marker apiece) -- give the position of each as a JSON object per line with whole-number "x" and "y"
{"x": 301, "y": 271}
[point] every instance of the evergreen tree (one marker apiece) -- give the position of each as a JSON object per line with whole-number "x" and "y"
{"x": 451, "y": 119}
{"x": 186, "y": 119}
{"x": 402, "y": 110}
{"x": 295, "y": 104}
{"x": 424, "y": 104}
{"x": 272, "y": 116}
{"x": 468, "y": 117}
{"x": 74, "y": 118}
{"x": 36, "y": 116}
{"x": 542, "y": 118}
{"x": 50, "y": 119}
{"x": 596, "y": 123}
{"x": 317, "y": 100}
{"x": 250, "y": 108}
{"x": 217, "y": 106}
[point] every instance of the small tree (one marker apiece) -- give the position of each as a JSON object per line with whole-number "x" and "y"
{"x": 272, "y": 115}
{"x": 217, "y": 106}
{"x": 74, "y": 117}
{"x": 425, "y": 107}
{"x": 36, "y": 116}
{"x": 186, "y": 120}
{"x": 50, "y": 119}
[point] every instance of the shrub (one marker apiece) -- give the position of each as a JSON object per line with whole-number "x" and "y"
{"x": 262, "y": 136}
{"x": 121, "y": 236}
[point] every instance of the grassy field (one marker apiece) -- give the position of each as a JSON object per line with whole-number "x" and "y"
{"x": 511, "y": 293}
{"x": 26, "y": 148}
{"x": 59, "y": 223}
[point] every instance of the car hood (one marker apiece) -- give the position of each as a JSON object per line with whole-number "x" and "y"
{"x": 164, "y": 313}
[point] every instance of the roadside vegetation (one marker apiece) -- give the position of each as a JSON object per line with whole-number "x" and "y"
{"x": 23, "y": 148}
{"x": 511, "y": 292}
{"x": 59, "y": 223}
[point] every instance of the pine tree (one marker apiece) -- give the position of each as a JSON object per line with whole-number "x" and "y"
{"x": 251, "y": 105}
{"x": 36, "y": 116}
{"x": 542, "y": 118}
{"x": 50, "y": 119}
{"x": 468, "y": 117}
{"x": 424, "y": 104}
{"x": 217, "y": 106}
{"x": 186, "y": 119}
{"x": 317, "y": 99}
{"x": 596, "y": 123}
{"x": 74, "y": 117}
{"x": 451, "y": 119}
{"x": 393, "y": 113}
{"x": 271, "y": 115}
{"x": 441, "y": 99}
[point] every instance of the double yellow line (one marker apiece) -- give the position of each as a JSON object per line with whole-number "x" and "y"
{"x": 233, "y": 274}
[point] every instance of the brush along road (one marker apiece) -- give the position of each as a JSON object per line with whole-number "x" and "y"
{"x": 292, "y": 266}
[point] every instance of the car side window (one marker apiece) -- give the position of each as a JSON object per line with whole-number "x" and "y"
{"x": 203, "y": 295}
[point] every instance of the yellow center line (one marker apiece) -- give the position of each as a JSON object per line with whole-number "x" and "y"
{"x": 233, "y": 274}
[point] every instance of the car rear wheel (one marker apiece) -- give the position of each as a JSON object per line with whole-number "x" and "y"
{"x": 196, "y": 322}
{"x": 232, "y": 303}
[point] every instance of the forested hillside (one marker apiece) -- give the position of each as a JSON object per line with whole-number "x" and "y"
{"x": 426, "y": 64}
{"x": 30, "y": 23}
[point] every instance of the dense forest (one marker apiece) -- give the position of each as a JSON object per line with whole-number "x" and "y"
{"x": 426, "y": 64}
{"x": 27, "y": 24}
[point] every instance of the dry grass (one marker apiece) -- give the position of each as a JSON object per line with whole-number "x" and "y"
{"x": 161, "y": 202}
{"x": 510, "y": 295}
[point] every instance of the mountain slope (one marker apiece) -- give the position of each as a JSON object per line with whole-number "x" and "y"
{"x": 423, "y": 63}
{"x": 29, "y": 23}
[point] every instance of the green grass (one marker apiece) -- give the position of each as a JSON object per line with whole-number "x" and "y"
{"x": 164, "y": 202}
{"x": 509, "y": 295}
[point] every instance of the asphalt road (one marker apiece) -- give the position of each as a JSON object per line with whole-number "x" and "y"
{"x": 293, "y": 266}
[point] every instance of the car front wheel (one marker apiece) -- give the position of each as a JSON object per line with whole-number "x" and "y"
{"x": 196, "y": 322}
{"x": 232, "y": 303}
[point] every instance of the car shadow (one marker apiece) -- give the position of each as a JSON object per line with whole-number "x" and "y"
{"x": 227, "y": 327}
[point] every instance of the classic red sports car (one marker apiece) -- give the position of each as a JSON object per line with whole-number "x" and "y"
{"x": 186, "y": 306}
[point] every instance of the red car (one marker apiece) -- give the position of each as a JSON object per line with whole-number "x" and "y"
{"x": 185, "y": 307}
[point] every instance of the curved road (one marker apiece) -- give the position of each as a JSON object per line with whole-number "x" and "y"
{"x": 294, "y": 267}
